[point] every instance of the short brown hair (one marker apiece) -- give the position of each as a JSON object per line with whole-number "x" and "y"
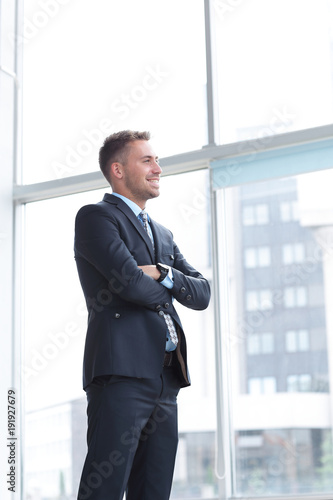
{"x": 115, "y": 148}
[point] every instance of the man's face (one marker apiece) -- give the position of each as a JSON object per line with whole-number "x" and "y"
{"x": 141, "y": 173}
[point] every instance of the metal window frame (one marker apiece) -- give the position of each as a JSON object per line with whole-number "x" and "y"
{"x": 216, "y": 158}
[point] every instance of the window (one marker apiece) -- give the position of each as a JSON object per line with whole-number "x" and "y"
{"x": 289, "y": 211}
{"x": 293, "y": 253}
{"x": 260, "y": 343}
{"x": 277, "y": 447}
{"x": 295, "y": 296}
{"x": 260, "y": 100}
{"x": 158, "y": 80}
{"x": 299, "y": 383}
{"x": 257, "y": 257}
{"x": 255, "y": 214}
{"x": 258, "y": 300}
{"x": 263, "y": 385}
{"x": 55, "y": 335}
{"x": 297, "y": 340}
{"x": 273, "y": 352}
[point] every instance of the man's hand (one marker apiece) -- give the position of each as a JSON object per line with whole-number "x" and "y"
{"x": 151, "y": 271}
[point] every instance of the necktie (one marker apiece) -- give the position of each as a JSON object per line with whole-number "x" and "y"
{"x": 143, "y": 216}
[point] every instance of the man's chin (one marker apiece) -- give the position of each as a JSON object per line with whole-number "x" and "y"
{"x": 154, "y": 194}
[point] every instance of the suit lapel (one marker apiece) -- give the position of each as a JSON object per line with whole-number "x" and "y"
{"x": 123, "y": 207}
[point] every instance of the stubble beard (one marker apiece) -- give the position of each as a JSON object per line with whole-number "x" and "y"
{"x": 140, "y": 194}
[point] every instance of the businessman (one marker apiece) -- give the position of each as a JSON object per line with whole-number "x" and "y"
{"x": 135, "y": 362}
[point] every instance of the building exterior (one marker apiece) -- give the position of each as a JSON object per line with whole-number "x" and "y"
{"x": 282, "y": 407}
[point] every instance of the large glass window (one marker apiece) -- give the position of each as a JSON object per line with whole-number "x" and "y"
{"x": 272, "y": 76}
{"x": 55, "y": 324}
{"x": 92, "y": 68}
{"x": 280, "y": 345}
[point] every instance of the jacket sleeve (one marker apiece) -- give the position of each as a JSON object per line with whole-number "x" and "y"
{"x": 190, "y": 288}
{"x": 97, "y": 239}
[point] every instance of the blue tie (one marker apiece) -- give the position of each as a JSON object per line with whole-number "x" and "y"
{"x": 143, "y": 217}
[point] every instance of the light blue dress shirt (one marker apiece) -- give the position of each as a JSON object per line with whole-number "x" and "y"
{"x": 168, "y": 280}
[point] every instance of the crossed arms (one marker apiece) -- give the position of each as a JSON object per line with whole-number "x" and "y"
{"x": 99, "y": 243}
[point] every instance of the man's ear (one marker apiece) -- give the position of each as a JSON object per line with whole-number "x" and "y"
{"x": 117, "y": 170}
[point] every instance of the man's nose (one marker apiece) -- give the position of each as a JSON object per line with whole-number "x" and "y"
{"x": 157, "y": 168}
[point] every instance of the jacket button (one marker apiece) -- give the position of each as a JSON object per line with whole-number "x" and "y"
{"x": 161, "y": 313}
{"x": 117, "y": 315}
{"x": 172, "y": 257}
{"x": 188, "y": 297}
{"x": 166, "y": 305}
{"x": 158, "y": 307}
{"x": 183, "y": 289}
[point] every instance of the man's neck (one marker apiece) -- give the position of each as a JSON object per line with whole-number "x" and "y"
{"x": 131, "y": 203}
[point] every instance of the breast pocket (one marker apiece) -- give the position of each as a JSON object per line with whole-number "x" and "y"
{"x": 167, "y": 258}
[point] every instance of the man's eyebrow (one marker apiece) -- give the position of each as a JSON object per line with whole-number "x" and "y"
{"x": 149, "y": 156}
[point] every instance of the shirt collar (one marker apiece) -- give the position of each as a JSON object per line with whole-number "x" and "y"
{"x": 133, "y": 206}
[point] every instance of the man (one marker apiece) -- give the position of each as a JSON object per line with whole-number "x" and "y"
{"x": 135, "y": 353}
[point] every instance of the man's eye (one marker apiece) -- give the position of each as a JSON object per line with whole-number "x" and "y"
{"x": 149, "y": 160}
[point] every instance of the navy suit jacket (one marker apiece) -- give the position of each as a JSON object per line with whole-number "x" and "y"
{"x": 126, "y": 332}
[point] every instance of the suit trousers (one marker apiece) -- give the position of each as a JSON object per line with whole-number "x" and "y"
{"x": 132, "y": 437}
